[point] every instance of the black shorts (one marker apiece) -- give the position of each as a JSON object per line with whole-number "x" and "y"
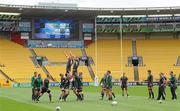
{"x": 37, "y": 89}
{"x": 123, "y": 86}
{"x": 61, "y": 86}
{"x": 66, "y": 87}
{"x": 73, "y": 86}
{"x": 45, "y": 89}
{"x": 79, "y": 89}
{"x": 150, "y": 85}
{"x": 103, "y": 88}
{"x": 75, "y": 71}
{"x": 68, "y": 69}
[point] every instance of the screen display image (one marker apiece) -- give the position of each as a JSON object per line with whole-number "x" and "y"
{"x": 53, "y": 29}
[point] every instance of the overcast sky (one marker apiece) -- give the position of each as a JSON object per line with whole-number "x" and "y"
{"x": 102, "y": 3}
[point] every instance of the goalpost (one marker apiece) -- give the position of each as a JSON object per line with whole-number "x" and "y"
{"x": 120, "y": 38}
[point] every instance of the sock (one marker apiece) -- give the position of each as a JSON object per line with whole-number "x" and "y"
{"x": 102, "y": 95}
{"x": 50, "y": 97}
{"x": 82, "y": 96}
{"x": 113, "y": 95}
{"x": 149, "y": 94}
{"x": 65, "y": 97}
{"x": 79, "y": 96}
{"x": 152, "y": 94}
{"x": 110, "y": 98}
{"x": 60, "y": 97}
{"x": 33, "y": 98}
{"x": 37, "y": 97}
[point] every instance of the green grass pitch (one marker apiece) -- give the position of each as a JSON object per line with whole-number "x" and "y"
{"x": 19, "y": 99}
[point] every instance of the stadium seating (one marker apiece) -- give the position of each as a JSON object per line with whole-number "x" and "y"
{"x": 17, "y": 61}
{"x": 2, "y": 79}
{"x": 159, "y": 56}
{"x": 108, "y": 57}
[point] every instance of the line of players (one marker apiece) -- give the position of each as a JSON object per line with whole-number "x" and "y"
{"x": 68, "y": 81}
{"x": 74, "y": 81}
{"x": 163, "y": 82}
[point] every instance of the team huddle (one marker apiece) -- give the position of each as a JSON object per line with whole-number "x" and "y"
{"x": 73, "y": 80}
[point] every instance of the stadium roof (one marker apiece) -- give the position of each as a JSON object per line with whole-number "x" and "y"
{"x": 75, "y": 12}
{"x": 101, "y": 3}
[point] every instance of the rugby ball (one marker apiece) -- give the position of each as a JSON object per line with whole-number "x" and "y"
{"x": 58, "y": 108}
{"x": 114, "y": 103}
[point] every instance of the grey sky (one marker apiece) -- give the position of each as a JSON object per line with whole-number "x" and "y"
{"x": 102, "y": 3}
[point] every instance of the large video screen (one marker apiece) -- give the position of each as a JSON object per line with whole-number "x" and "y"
{"x": 54, "y": 29}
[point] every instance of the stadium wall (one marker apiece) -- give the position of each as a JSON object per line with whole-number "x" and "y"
{"x": 16, "y": 37}
{"x": 141, "y": 36}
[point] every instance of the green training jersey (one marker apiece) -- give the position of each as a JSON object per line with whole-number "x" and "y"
{"x": 108, "y": 81}
{"x": 39, "y": 82}
{"x": 32, "y": 81}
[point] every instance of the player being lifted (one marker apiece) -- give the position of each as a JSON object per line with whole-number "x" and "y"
{"x": 124, "y": 84}
{"x": 69, "y": 62}
{"x": 75, "y": 65}
{"x": 150, "y": 84}
{"x": 45, "y": 89}
{"x": 72, "y": 61}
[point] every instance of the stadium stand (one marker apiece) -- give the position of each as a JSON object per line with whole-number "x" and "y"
{"x": 159, "y": 56}
{"x": 17, "y": 61}
{"x": 109, "y": 57}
